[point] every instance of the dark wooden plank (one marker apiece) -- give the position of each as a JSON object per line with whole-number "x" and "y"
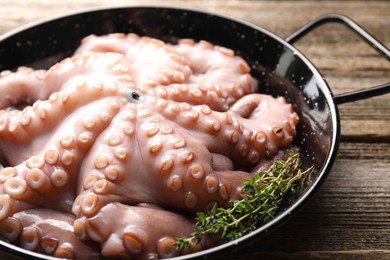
{"x": 349, "y": 216}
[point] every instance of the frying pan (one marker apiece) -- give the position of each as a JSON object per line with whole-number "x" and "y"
{"x": 280, "y": 68}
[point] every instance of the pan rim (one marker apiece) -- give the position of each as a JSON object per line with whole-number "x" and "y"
{"x": 262, "y": 230}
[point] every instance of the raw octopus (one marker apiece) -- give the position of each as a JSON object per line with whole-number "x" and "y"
{"x": 109, "y": 152}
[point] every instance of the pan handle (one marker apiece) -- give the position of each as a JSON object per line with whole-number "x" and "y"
{"x": 378, "y": 46}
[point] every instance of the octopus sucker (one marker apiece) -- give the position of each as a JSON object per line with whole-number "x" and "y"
{"x": 166, "y": 248}
{"x": 113, "y": 173}
{"x": 17, "y": 187}
{"x": 89, "y": 181}
{"x": 11, "y": 229}
{"x": 155, "y": 146}
{"x": 178, "y": 142}
{"x": 49, "y": 245}
{"x": 103, "y": 187}
{"x": 68, "y": 158}
{"x": 51, "y": 157}
{"x": 7, "y": 173}
{"x": 59, "y": 178}
{"x": 212, "y": 184}
{"x": 38, "y": 180}
{"x": 254, "y": 156}
{"x": 65, "y": 251}
{"x": 29, "y": 239}
{"x": 5, "y": 206}
{"x": 186, "y": 156}
{"x": 223, "y": 191}
{"x": 196, "y": 171}
{"x": 166, "y": 164}
{"x": 113, "y": 246}
{"x": 191, "y": 200}
{"x": 175, "y": 183}
{"x": 127, "y": 132}
{"x": 67, "y": 141}
{"x": 132, "y": 242}
{"x": 89, "y": 204}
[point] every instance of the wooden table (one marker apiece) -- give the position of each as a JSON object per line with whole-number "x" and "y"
{"x": 350, "y": 214}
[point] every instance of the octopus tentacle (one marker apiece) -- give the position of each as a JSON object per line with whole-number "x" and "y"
{"x": 164, "y": 65}
{"x": 135, "y": 238}
{"x": 9, "y": 205}
{"x": 194, "y": 94}
{"x": 19, "y": 128}
{"x": 28, "y": 86}
{"x": 23, "y": 86}
{"x": 183, "y": 169}
{"x": 181, "y": 163}
{"x": 22, "y": 126}
{"x": 213, "y": 65}
{"x": 53, "y": 169}
{"x": 85, "y": 67}
{"x": 91, "y": 118}
{"x": 212, "y": 82}
{"x": 46, "y": 231}
{"x": 252, "y": 126}
{"x": 31, "y": 183}
{"x": 264, "y": 115}
{"x": 102, "y": 177}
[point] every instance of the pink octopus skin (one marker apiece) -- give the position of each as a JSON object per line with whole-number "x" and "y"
{"x": 127, "y": 133}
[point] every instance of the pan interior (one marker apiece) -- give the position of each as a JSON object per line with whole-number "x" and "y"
{"x": 280, "y": 69}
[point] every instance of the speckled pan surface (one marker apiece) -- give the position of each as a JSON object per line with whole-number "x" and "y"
{"x": 280, "y": 69}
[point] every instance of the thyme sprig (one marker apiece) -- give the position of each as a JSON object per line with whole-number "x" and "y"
{"x": 262, "y": 196}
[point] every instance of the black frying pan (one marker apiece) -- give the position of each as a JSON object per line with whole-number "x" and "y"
{"x": 281, "y": 69}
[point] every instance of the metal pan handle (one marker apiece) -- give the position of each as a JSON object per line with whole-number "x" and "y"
{"x": 378, "y": 46}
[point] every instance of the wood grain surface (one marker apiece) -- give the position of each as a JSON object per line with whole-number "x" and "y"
{"x": 349, "y": 216}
